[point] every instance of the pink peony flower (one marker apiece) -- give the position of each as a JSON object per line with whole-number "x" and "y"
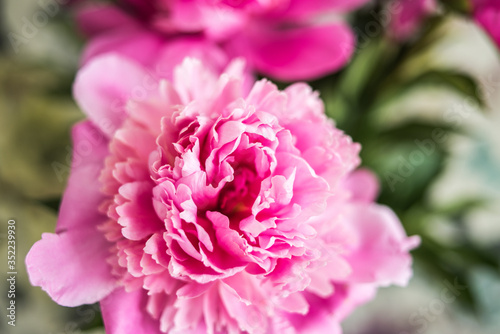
{"x": 288, "y": 40}
{"x": 409, "y": 15}
{"x": 200, "y": 207}
{"x": 487, "y": 15}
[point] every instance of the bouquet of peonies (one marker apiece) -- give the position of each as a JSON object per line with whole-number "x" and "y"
{"x": 202, "y": 199}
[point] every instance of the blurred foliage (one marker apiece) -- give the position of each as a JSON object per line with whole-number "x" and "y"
{"x": 35, "y": 120}
{"x": 382, "y": 71}
{"x": 36, "y": 123}
{"x": 460, "y": 6}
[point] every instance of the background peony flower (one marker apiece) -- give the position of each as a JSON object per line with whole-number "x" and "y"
{"x": 199, "y": 207}
{"x": 111, "y": 30}
{"x": 407, "y": 19}
{"x": 288, "y": 40}
{"x": 487, "y": 15}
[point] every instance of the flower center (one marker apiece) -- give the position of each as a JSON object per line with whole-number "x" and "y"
{"x": 238, "y": 196}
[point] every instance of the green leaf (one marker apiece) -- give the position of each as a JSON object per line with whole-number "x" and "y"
{"x": 419, "y": 130}
{"x": 459, "y": 6}
{"x": 366, "y": 66}
{"x": 35, "y": 130}
{"x": 406, "y": 169}
{"x": 461, "y": 207}
{"x": 460, "y": 83}
{"x": 444, "y": 273}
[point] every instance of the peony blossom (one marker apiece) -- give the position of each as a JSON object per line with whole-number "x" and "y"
{"x": 487, "y": 15}
{"x": 409, "y": 15}
{"x": 202, "y": 207}
{"x": 288, "y": 40}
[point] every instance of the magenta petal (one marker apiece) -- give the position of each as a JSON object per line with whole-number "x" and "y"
{"x": 405, "y": 21}
{"x": 125, "y": 313}
{"x": 132, "y": 43}
{"x": 71, "y": 266}
{"x": 488, "y": 16}
{"x": 96, "y": 19}
{"x": 297, "y": 53}
{"x": 103, "y": 97}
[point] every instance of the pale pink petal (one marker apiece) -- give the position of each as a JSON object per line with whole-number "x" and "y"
{"x": 363, "y": 185}
{"x": 71, "y": 266}
{"x": 348, "y": 297}
{"x": 380, "y": 251}
{"x": 103, "y": 97}
{"x": 294, "y": 303}
{"x": 248, "y": 316}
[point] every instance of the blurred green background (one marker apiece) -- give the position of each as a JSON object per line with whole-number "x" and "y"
{"x": 427, "y": 112}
